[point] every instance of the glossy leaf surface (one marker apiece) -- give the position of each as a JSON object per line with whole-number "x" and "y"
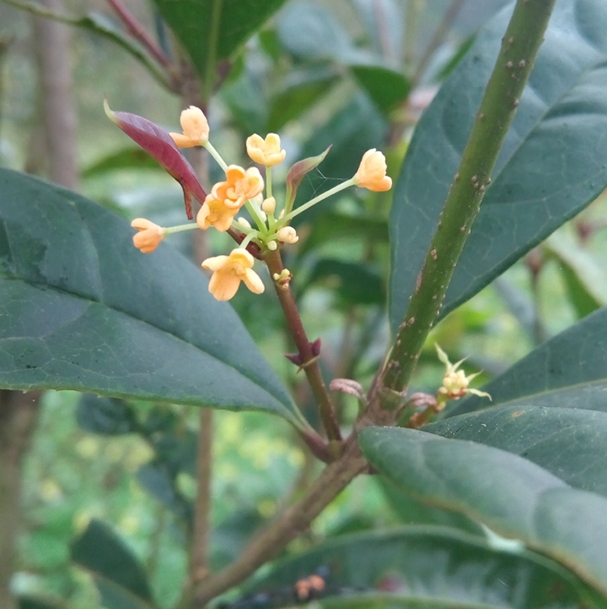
{"x": 81, "y": 308}
{"x": 552, "y": 163}
{"x": 568, "y": 371}
{"x": 422, "y": 566}
{"x": 212, "y": 30}
{"x": 509, "y": 494}
{"x": 568, "y": 442}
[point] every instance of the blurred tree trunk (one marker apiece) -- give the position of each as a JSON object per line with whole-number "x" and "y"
{"x": 18, "y": 414}
{"x": 18, "y": 411}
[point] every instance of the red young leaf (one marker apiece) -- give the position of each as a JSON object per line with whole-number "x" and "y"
{"x": 159, "y": 144}
{"x": 297, "y": 173}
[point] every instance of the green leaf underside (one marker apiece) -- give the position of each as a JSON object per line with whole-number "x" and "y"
{"x": 552, "y": 163}
{"x": 507, "y": 493}
{"x": 568, "y": 371}
{"x": 81, "y": 308}
{"x": 238, "y": 20}
{"x": 118, "y": 575}
{"x": 568, "y": 442}
{"x": 425, "y": 566}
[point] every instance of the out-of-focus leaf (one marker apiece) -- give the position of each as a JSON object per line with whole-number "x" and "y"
{"x": 105, "y": 416}
{"x": 387, "y": 88}
{"x": 301, "y": 91}
{"x": 310, "y": 31}
{"x": 421, "y": 566}
{"x": 355, "y": 283}
{"x": 585, "y": 279}
{"x": 356, "y": 128}
{"x": 126, "y": 158}
{"x": 568, "y": 371}
{"x": 568, "y": 442}
{"x": 159, "y": 144}
{"x": 384, "y": 23}
{"x": 518, "y": 303}
{"x": 247, "y": 103}
{"x": 411, "y": 511}
{"x": 212, "y": 30}
{"x": 34, "y": 602}
{"x": 117, "y": 573}
{"x": 331, "y": 226}
{"x": 551, "y": 165}
{"x": 81, "y": 308}
{"x": 512, "y": 496}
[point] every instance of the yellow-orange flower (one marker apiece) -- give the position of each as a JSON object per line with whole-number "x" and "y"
{"x": 226, "y": 198}
{"x": 265, "y": 152}
{"x": 149, "y": 237}
{"x": 229, "y": 271}
{"x": 195, "y": 128}
{"x": 371, "y": 173}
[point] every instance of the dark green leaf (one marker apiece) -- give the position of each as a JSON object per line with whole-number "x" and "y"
{"x": 568, "y": 371}
{"x": 118, "y": 575}
{"x": 423, "y": 567}
{"x": 551, "y": 166}
{"x": 212, "y": 30}
{"x": 568, "y": 442}
{"x": 34, "y": 602}
{"x": 387, "y": 88}
{"x": 512, "y": 496}
{"x": 105, "y": 416}
{"x": 81, "y": 308}
{"x": 411, "y": 511}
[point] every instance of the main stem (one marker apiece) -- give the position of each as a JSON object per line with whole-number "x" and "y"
{"x": 309, "y": 361}
{"x": 510, "y": 75}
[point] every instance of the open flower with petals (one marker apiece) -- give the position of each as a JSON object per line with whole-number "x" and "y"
{"x": 149, "y": 237}
{"x": 371, "y": 173}
{"x": 455, "y": 382}
{"x": 216, "y": 213}
{"x": 239, "y": 186}
{"x": 195, "y": 129}
{"x": 229, "y": 271}
{"x": 265, "y": 152}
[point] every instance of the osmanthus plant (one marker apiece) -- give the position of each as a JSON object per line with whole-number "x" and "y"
{"x": 513, "y": 146}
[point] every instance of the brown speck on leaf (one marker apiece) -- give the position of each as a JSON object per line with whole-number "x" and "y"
{"x": 434, "y": 254}
{"x": 457, "y": 176}
{"x": 488, "y": 181}
{"x": 511, "y": 40}
{"x": 522, "y": 63}
{"x": 482, "y": 189}
{"x": 481, "y": 116}
{"x": 509, "y": 64}
{"x": 411, "y": 321}
{"x": 518, "y": 413}
{"x": 463, "y": 228}
{"x": 515, "y": 103}
{"x": 474, "y": 179}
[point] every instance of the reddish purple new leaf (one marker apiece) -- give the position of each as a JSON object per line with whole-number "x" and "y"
{"x": 160, "y": 145}
{"x": 297, "y": 173}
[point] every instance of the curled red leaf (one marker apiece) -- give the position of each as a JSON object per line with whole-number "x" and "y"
{"x": 159, "y": 144}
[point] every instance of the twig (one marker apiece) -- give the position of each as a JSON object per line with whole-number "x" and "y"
{"x": 308, "y": 360}
{"x": 514, "y": 64}
{"x": 294, "y": 521}
{"x": 199, "y": 555}
{"x": 139, "y": 32}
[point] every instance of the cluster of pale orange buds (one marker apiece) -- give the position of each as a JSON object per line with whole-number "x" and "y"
{"x": 245, "y": 188}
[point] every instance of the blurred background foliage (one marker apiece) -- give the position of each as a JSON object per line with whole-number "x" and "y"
{"x": 354, "y": 74}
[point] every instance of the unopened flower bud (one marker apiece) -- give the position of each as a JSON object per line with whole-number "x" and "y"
{"x": 244, "y": 222}
{"x": 272, "y": 245}
{"x": 287, "y": 234}
{"x": 269, "y": 205}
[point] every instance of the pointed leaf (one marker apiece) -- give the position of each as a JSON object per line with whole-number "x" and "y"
{"x": 422, "y": 566}
{"x": 512, "y": 496}
{"x": 160, "y": 145}
{"x": 118, "y": 574}
{"x": 212, "y": 30}
{"x": 81, "y": 308}
{"x": 568, "y": 371}
{"x": 568, "y": 442}
{"x": 298, "y": 172}
{"x": 387, "y": 88}
{"x": 551, "y": 166}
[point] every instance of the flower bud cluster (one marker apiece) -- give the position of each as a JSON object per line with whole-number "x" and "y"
{"x": 267, "y": 230}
